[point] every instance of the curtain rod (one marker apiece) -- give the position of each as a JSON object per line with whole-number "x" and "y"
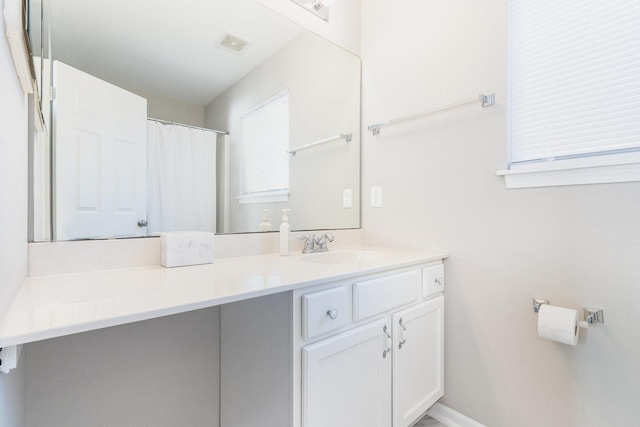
{"x": 221, "y": 132}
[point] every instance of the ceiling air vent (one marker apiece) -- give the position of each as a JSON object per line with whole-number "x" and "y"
{"x": 233, "y": 43}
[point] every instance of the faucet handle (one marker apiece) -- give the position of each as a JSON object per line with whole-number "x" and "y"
{"x": 321, "y": 241}
{"x": 308, "y": 242}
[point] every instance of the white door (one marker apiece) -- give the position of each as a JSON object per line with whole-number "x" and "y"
{"x": 418, "y": 368}
{"x": 346, "y": 378}
{"x": 100, "y": 137}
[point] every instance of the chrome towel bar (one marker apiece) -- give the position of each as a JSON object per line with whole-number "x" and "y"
{"x": 484, "y": 100}
{"x": 346, "y": 136}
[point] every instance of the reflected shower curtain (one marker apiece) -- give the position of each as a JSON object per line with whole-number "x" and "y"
{"x": 181, "y": 178}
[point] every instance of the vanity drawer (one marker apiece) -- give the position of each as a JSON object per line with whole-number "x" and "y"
{"x": 375, "y": 296}
{"x": 325, "y": 311}
{"x": 432, "y": 280}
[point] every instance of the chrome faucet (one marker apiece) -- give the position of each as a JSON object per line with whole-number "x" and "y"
{"x": 315, "y": 243}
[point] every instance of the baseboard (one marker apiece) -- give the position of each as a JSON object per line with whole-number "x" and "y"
{"x": 451, "y": 418}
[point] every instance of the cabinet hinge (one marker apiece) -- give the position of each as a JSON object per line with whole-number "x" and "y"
{"x": 52, "y": 93}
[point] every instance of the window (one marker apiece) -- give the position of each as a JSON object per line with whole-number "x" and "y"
{"x": 574, "y": 92}
{"x": 265, "y": 162}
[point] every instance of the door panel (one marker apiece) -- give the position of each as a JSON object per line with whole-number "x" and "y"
{"x": 100, "y": 137}
{"x": 418, "y": 368}
{"x": 346, "y": 380}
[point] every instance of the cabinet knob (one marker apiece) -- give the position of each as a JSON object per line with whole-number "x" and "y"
{"x": 333, "y": 313}
{"x": 440, "y": 280}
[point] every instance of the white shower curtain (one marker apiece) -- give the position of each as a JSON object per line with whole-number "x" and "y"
{"x": 181, "y": 178}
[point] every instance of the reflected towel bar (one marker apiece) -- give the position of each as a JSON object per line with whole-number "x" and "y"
{"x": 484, "y": 100}
{"x": 346, "y": 136}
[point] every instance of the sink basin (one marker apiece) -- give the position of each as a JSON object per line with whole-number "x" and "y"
{"x": 344, "y": 256}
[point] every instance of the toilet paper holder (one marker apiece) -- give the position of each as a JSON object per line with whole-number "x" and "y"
{"x": 591, "y": 315}
{"x": 537, "y": 302}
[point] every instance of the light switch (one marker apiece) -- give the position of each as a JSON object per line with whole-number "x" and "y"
{"x": 347, "y": 198}
{"x": 376, "y": 197}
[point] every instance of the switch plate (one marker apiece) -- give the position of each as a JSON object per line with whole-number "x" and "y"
{"x": 376, "y": 197}
{"x": 347, "y": 198}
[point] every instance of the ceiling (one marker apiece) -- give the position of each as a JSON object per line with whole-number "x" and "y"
{"x": 166, "y": 48}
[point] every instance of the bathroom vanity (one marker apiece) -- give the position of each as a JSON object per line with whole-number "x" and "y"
{"x": 350, "y": 337}
{"x": 351, "y": 348}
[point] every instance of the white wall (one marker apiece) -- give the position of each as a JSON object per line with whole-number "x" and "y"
{"x": 13, "y": 217}
{"x": 342, "y": 28}
{"x": 577, "y": 246}
{"x": 13, "y": 179}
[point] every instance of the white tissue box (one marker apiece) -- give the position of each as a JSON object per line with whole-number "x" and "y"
{"x": 180, "y": 248}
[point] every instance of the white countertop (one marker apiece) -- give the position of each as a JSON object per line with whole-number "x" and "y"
{"x": 53, "y": 306}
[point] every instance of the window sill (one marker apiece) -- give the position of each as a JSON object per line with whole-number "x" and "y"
{"x": 264, "y": 197}
{"x": 597, "y": 170}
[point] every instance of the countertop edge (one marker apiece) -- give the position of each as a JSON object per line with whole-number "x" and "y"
{"x": 405, "y": 259}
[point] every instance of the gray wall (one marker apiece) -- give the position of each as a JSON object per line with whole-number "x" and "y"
{"x": 577, "y": 246}
{"x": 323, "y": 83}
{"x": 174, "y": 111}
{"x": 160, "y": 372}
{"x": 13, "y": 402}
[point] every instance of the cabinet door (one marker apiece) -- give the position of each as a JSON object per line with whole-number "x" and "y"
{"x": 346, "y": 378}
{"x": 418, "y": 369}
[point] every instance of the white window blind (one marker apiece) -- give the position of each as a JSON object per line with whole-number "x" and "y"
{"x": 265, "y": 139}
{"x": 574, "y": 79}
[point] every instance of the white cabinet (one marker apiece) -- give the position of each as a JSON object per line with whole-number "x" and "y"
{"x": 360, "y": 352}
{"x": 345, "y": 376}
{"x": 418, "y": 368}
{"x": 345, "y": 380}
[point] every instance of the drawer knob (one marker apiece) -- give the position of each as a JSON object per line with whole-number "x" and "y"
{"x": 333, "y": 313}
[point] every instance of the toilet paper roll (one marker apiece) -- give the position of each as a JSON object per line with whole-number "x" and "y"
{"x": 558, "y": 324}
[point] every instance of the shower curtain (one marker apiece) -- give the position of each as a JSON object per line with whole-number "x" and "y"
{"x": 181, "y": 178}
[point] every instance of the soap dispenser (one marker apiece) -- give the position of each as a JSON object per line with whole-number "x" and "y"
{"x": 285, "y": 230}
{"x": 265, "y": 225}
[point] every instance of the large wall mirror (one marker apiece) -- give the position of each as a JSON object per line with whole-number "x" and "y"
{"x": 234, "y": 66}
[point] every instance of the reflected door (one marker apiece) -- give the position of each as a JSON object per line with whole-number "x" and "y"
{"x": 100, "y": 139}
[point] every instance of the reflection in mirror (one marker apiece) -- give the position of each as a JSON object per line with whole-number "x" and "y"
{"x": 39, "y": 44}
{"x": 36, "y": 35}
{"x": 206, "y": 65}
{"x": 39, "y": 136}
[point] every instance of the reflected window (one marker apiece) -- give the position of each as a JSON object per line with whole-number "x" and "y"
{"x": 265, "y": 140}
